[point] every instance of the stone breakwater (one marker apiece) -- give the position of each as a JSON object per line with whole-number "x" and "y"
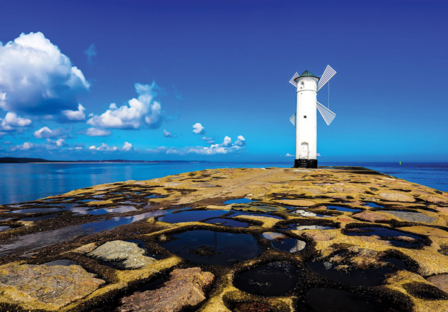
{"x": 268, "y": 239}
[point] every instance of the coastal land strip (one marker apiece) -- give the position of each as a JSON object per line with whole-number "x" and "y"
{"x": 264, "y": 239}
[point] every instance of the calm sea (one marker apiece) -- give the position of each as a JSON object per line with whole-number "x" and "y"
{"x": 25, "y": 182}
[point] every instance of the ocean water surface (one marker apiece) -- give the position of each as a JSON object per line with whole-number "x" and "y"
{"x": 26, "y": 182}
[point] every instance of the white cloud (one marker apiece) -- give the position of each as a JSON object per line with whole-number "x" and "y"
{"x": 78, "y": 148}
{"x": 12, "y": 123}
{"x": 209, "y": 140}
{"x": 318, "y": 155}
{"x": 225, "y": 147}
{"x": 75, "y": 115}
{"x": 127, "y": 147}
{"x": 198, "y": 128}
{"x": 97, "y": 132}
{"x": 241, "y": 141}
{"x": 36, "y": 78}
{"x": 104, "y": 147}
{"x": 227, "y": 142}
{"x": 24, "y": 147}
{"x": 46, "y": 132}
{"x": 13, "y": 120}
{"x": 168, "y": 134}
{"x": 288, "y": 155}
{"x": 143, "y": 111}
{"x": 52, "y": 145}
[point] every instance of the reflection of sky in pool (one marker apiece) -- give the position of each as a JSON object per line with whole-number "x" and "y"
{"x": 345, "y": 209}
{"x": 239, "y": 201}
{"x": 190, "y": 216}
{"x": 41, "y": 239}
{"x": 218, "y": 248}
{"x": 388, "y": 234}
{"x": 227, "y": 222}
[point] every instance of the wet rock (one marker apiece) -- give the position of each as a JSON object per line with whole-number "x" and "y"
{"x": 371, "y": 216}
{"x": 426, "y": 230}
{"x": 411, "y": 216}
{"x": 185, "y": 289}
{"x": 130, "y": 254}
{"x": 55, "y": 285}
{"x": 392, "y": 196}
{"x": 441, "y": 281}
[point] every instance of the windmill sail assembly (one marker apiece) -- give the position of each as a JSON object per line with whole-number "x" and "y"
{"x": 305, "y": 119}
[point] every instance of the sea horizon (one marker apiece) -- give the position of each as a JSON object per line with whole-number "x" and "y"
{"x": 21, "y": 182}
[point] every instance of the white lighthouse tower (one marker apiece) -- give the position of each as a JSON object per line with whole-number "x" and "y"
{"x": 305, "y": 119}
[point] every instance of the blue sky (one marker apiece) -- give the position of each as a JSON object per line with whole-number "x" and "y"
{"x": 130, "y": 79}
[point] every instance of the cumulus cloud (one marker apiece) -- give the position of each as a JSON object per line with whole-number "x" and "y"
{"x": 106, "y": 148}
{"x": 241, "y": 141}
{"x": 36, "y": 78}
{"x": 90, "y": 52}
{"x": 288, "y": 155}
{"x": 143, "y": 111}
{"x": 56, "y": 144}
{"x": 127, "y": 147}
{"x": 75, "y": 115}
{"x": 103, "y": 147}
{"x": 96, "y": 132}
{"x": 198, "y": 128}
{"x": 24, "y": 147}
{"x": 12, "y": 122}
{"x": 168, "y": 134}
{"x": 46, "y": 132}
{"x": 226, "y": 147}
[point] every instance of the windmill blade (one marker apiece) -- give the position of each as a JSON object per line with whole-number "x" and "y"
{"x": 292, "y": 80}
{"x": 292, "y": 119}
{"x": 327, "y": 114}
{"x": 326, "y": 76}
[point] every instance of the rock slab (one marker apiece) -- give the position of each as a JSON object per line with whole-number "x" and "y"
{"x": 130, "y": 255}
{"x": 55, "y": 285}
{"x": 184, "y": 289}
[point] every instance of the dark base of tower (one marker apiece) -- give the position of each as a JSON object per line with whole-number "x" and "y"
{"x": 305, "y": 163}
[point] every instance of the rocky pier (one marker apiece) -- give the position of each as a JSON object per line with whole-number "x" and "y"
{"x": 265, "y": 239}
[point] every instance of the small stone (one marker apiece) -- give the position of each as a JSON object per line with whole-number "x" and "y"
{"x": 371, "y": 216}
{"x": 440, "y": 281}
{"x": 185, "y": 289}
{"x": 399, "y": 197}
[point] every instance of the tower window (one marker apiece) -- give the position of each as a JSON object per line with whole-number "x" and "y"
{"x": 304, "y": 116}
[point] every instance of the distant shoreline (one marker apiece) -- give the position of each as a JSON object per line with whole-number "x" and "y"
{"x": 18, "y": 160}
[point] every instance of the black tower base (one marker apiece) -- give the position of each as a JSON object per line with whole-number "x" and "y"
{"x": 305, "y": 163}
